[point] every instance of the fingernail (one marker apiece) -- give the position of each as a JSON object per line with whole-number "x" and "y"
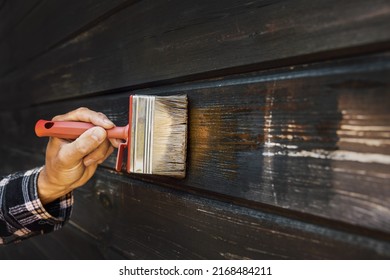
{"x": 108, "y": 122}
{"x": 98, "y": 134}
{"x": 116, "y": 142}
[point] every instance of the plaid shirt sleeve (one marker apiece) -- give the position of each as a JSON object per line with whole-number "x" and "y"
{"x": 22, "y": 214}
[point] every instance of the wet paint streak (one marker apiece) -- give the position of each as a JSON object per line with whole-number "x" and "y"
{"x": 335, "y": 155}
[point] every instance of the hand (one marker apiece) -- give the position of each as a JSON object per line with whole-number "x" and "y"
{"x": 70, "y": 165}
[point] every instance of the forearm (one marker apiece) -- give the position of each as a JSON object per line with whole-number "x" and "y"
{"x": 22, "y": 213}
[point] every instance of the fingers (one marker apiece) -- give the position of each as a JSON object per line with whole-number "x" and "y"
{"x": 85, "y": 115}
{"x": 115, "y": 142}
{"x": 99, "y": 155}
{"x": 93, "y": 160}
{"x": 72, "y": 154}
{"x": 71, "y": 164}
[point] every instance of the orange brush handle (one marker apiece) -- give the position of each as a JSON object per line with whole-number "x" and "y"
{"x": 72, "y": 130}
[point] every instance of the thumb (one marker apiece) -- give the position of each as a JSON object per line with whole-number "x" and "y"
{"x": 72, "y": 153}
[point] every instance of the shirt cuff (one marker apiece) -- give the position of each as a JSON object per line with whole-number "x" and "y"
{"x": 24, "y": 212}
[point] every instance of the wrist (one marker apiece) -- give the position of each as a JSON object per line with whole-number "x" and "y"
{"x": 47, "y": 190}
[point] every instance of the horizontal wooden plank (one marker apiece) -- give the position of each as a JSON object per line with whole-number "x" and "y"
{"x": 68, "y": 243}
{"x": 313, "y": 139}
{"x": 13, "y": 13}
{"x": 61, "y": 20}
{"x": 138, "y": 220}
{"x": 156, "y": 41}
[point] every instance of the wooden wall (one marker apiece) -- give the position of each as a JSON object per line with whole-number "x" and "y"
{"x": 289, "y": 124}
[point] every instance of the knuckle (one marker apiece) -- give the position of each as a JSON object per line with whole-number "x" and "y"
{"x": 110, "y": 149}
{"x": 58, "y": 117}
{"x": 62, "y": 158}
{"x": 80, "y": 111}
{"x": 82, "y": 147}
{"x": 99, "y": 155}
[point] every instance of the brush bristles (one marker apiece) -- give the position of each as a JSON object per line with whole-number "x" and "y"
{"x": 170, "y": 136}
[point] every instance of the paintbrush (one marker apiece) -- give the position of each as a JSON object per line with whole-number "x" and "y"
{"x": 155, "y": 138}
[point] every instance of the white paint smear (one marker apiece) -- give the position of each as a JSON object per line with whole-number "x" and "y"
{"x": 367, "y": 142}
{"x": 365, "y": 128}
{"x": 335, "y": 155}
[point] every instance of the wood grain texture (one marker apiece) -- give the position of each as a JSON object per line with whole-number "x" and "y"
{"x": 51, "y": 23}
{"x": 148, "y": 222}
{"x": 68, "y": 243}
{"x": 13, "y": 13}
{"x": 137, "y": 220}
{"x": 310, "y": 140}
{"x": 160, "y": 41}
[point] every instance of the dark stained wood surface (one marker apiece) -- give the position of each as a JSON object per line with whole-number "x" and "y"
{"x": 289, "y": 148}
{"x": 310, "y": 140}
{"x": 146, "y": 222}
{"x": 68, "y": 243}
{"x": 51, "y": 23}
{"x": 117, "y": 217}
{"x": 13, "y": 13}
{"x": 159, "y": 41}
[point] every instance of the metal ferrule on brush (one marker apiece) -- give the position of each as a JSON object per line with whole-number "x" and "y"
{"x": 141, "y": 148}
